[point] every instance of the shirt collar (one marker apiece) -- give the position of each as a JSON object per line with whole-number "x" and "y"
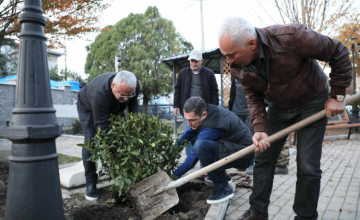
{"x": 262, "y": 53}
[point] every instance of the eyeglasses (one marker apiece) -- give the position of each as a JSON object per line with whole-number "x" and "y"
{"x": 126, "y": 96}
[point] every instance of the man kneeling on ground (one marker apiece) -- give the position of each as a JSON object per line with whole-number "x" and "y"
{"x": 215, "y": 133}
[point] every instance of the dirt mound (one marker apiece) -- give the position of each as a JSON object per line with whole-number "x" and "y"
{"x": 192, "y": 206}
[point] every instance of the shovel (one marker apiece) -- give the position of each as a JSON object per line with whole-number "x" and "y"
{"x": 156, "y": 194}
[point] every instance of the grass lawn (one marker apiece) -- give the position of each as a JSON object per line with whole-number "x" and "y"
{"x": 65, "y": 159}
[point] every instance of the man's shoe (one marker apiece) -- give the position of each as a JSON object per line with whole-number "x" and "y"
{"x": 281, "y": 170}
{"x": 221, "y": 195}
{"x": 250, "y": 170}
{"x": 210, "y": 183}
{"x": 250, "y": 216}
{"x": 91, "y": 192}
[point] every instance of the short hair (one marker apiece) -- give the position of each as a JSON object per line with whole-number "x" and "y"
{"x": 196, "y": 105}
{"x": 238, "y": 29}
{"x": 125, "y": 77}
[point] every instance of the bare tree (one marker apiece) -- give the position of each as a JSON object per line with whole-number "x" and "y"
{"x": 323, "y": 16}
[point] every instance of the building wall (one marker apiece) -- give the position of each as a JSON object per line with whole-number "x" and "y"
{"x": 52, "y": 60}
{"x": 64, "y": 101}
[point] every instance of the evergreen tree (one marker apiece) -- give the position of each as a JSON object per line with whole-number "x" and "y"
{"x": 143, "y": 41}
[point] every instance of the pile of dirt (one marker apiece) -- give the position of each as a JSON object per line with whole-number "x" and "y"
{"x": 192, "y": 206}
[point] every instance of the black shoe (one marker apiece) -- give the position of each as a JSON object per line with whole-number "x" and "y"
{"x": 91, "y": 192}
{"x": 281, "y": 170}
{"x": 221, "y": 195}
{"x": 250, "y": 216}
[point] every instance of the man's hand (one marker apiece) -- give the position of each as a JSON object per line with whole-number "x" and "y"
{"x": 176, "y": 111}
{"x": 334, "y": 107}
{"x": 258, "y": 140}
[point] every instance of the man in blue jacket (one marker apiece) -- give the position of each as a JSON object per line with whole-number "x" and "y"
{"x": 105, "y": 94}
{"x": 215, "y": 133}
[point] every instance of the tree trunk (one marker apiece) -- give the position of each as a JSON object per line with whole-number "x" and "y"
{"x": 145, "y": 104}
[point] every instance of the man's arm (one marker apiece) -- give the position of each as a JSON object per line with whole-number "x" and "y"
{"x": 189, "y": 162}
{"x": 214, "y": 90}
{"x": 133, "y": 102}
{"x": 100, "y": 110}
{"x": 312, "y": 45}
{"x": 177, "y": 91}
{"x": 211, "y": 134}
{"x": 191, "y": 159}
{"x": 188, "y": 135}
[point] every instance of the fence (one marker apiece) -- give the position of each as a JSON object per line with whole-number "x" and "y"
{"x": 164, "y": 111}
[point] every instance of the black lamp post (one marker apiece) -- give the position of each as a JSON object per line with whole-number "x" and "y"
{"x": 34, "y": 185}
{"x": 355, "y": 109}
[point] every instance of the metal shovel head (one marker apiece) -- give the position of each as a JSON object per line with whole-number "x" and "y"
{"x": 146, "y": 204}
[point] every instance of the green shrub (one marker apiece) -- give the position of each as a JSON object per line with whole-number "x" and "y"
{"x": 76, "y": 127}
{"x": 133, "y": 149}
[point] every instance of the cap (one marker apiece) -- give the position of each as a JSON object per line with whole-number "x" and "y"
{"x": 195, "y": 55}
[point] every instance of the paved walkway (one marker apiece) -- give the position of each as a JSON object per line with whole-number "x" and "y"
{"x": 340, "y": 185}
{"x": 65, "y": 144}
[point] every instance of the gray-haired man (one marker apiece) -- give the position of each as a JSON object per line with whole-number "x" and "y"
{"x": 279, "y": 63}
{"x": 105, "y": 94}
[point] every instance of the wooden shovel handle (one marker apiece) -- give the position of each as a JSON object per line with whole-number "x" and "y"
{"x": 270, "y": 139}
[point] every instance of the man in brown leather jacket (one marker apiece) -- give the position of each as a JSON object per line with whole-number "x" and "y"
{"x": 280, "y": 63}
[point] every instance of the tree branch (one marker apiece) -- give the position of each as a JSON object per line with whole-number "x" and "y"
{"x": 352, "y": 32}
{"x": 279, "y": 9}
{"x": 266, "y": 12}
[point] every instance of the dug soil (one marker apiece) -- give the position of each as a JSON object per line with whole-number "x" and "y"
{"x": 192, "y": 205}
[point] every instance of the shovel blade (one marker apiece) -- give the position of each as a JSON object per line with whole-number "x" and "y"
{"x": 148, "y": 206}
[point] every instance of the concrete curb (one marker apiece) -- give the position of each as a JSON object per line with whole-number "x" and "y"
{"x": 74, "y": 176}
{"x": 217, "y": 211}
{"x": 72, "y": 136}
{"x": 335, "y": 137}
{"x": 66, "y": 193}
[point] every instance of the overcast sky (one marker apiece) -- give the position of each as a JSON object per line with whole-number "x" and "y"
{"x": 185, "y": 15}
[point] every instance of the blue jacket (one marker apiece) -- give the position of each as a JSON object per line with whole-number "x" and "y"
{"x": 189, "y": 135}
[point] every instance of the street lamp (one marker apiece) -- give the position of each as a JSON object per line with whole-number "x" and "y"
{"x": 355, "y": 109}
{"x": 34, "y": 185}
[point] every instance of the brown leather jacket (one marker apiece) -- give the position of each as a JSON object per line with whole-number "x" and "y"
{"x": 294, "y": 76}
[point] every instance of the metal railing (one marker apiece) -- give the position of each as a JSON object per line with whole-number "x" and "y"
{"x": 163, "y": 111}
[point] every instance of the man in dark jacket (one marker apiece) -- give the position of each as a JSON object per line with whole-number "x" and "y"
{"x": 280, "y": 63}
{"x": 105, "y": 94}
{"x": 215, "y": 133}
{"x": 195, "y": 80}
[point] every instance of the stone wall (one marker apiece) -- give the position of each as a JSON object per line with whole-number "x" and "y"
{"x": 64, "y": 101}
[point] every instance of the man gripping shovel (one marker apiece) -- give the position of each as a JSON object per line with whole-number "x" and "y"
{"x": 156, "y": 194}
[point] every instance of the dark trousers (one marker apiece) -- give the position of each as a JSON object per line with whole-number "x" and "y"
{"x": 87, "y": 124}
{"x": 308, "y": 159}
{"x": 205, "y": 150}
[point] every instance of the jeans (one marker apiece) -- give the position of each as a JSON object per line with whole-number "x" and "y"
{"x": 308, "y": 159}
{"x": 87, "y": 124}
{"x": 205, "y": 151}
{"x": 187, "y": 148}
